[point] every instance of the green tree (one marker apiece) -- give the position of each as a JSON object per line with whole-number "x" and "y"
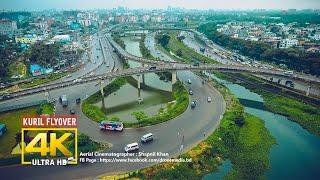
{"x": 139, "y": 115}
{"x": 179, "y": 52}
{"x": 43, "y": 54}
{"x": 163, "y": 39}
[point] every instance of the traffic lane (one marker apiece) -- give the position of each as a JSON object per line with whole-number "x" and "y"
{"x": 189, "y": 41}
{"x": 75, "y": 91}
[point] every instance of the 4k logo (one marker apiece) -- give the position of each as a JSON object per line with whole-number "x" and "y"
{"x": 47, "y": 143}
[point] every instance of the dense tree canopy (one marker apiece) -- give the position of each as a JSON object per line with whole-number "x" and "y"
{"x": 163, "y": 39}
{"x": 6, "y": 54}
{"x": 43, "y": 54}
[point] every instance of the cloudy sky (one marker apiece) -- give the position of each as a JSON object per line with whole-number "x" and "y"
{"x": 194, "y": 4}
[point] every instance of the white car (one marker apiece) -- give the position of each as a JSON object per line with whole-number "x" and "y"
{"x": 147, "y": 137}
{"x": 209, "y": 99}
{"x": 131, "y": 147}
{"x": 189, "y": 81}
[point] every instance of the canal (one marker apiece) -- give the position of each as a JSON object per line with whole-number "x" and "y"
{"x": 297, "y": 152}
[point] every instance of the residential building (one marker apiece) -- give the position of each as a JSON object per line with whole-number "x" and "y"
{"x": 7, "y": 27}
{"x": 29, "y": 39}
{"x": 287, "y": 43}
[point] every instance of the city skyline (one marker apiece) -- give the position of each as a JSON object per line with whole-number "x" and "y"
{"x": 31, "y": 5}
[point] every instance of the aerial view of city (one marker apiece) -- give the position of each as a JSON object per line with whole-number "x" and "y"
{"x": 168, "y": 90}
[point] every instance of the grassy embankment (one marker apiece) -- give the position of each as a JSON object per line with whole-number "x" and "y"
{"x": 34, "y": 82}
{"x": 143, "y": 49}
{"x": 187, "y": 54}
{"x": 308, "y": 116}
{"x": 119, "y": 41}
{"x": 17, "y": 68}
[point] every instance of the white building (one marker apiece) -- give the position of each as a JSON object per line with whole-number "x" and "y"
{"x": 287, "y": 43}
{"x": 85, "y": 22}
{"x": 62, "y": 38}
{"x": 7, "y": 27}
{"x": 316, "y": 36}
{"x": 145, "y": 18}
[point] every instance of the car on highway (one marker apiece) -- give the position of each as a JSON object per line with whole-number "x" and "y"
{"x": 64, "y": 100}
{"x": 209, "y": 99}
{"x": 131, "y": 147}
{"x": 111, "y": 126}
{"x": 152, "y": 67}
{"x": 147, "y": 137}
{"x": 196, "y": 64}
{"x": 78, "y": 100}
{"x": 189, "y": 81}
{"x": 5, "y": 96}
{"x": 190, "y": 92}
{"x": 193, "y": 104}
{"x": 77, "y": 80}
{"x": 72, "y": 111}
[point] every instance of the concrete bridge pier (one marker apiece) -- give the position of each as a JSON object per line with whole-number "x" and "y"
{"x": 173, "y": 77}
{"x": 308, "y": 90}
{"x": 143, "y": 79}
{"x": 102, "y": 94}
{"x": 140, "y": 99}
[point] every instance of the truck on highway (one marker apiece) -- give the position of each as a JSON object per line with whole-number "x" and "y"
{"x": 64, "y": 100}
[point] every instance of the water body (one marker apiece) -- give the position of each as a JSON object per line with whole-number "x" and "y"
{"x": 224, "y": 168}
{"x": 297, "y": 153}
{"x": 151, "y": 79}
{"x": 124, "y": 101}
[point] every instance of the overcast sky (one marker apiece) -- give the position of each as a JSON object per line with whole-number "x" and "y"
{"x": 190, "y": 4}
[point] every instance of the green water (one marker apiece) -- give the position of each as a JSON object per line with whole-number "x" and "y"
{"x": 297, "y": 153}
{"x": 151, "y": 79}
{"x": 124, "y": 101}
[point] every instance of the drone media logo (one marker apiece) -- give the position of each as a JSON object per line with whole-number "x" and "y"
{"x": 54, "y": 140}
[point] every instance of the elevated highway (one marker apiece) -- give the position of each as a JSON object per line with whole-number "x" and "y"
{"x": 172, "y": 67}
